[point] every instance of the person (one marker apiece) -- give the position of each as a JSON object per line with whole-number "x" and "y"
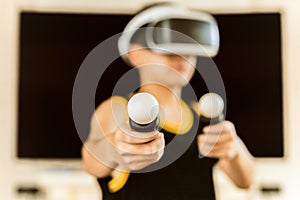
{"x": 113, "y": 152}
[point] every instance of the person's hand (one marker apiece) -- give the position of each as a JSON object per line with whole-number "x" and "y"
{"x": 218, "y": 141}
{"x": 138, "y": 150}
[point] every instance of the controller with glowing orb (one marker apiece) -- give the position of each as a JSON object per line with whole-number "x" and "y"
{"x": 143, "y": 112}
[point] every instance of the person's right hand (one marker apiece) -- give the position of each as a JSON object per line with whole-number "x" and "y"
{"x": 138, "y": 149}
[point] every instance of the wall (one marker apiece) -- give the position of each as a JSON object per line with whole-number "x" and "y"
{"x": 281, "y": 172}
{"x": 7, "y": 64}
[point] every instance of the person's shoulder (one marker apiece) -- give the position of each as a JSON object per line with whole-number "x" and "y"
{"x": 110, "y": 104}
{"x": 111, "y": 112}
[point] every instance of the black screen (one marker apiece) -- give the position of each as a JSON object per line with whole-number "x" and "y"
{"x": 53, "y": 46}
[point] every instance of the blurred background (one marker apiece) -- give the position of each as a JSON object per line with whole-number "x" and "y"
{"x": 43, "y": 43}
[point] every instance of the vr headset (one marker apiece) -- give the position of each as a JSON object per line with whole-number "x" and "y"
{"x": 172, "y": 29}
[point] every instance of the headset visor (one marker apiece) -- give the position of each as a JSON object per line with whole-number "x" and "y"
{"x": 183, "y": 36}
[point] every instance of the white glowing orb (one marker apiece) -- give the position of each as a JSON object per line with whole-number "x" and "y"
{"x": 143, "y": 108}
{"x": 211, "y": 105}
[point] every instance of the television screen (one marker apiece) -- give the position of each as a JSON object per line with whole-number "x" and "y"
{"x": 53, "y": 46}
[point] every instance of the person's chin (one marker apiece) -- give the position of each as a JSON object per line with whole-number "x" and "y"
{"x": 183, "y": 82}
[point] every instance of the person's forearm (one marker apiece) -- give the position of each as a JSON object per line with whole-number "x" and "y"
{"x": 240, "y": 168}
{"x": 93, "y": 166}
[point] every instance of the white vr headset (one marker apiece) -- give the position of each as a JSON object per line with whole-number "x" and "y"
{"x": 171, "y": 29}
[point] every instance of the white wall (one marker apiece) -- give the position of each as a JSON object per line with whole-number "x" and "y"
{"x": 284, "y": 172}
{"x": 7, "y": 63}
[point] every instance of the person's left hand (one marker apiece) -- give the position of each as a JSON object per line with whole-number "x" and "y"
{"x": 218, "y": 141}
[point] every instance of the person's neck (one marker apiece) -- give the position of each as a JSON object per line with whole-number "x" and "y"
{"x": 169, "y": 101}
{"x": 163, "y": 94}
